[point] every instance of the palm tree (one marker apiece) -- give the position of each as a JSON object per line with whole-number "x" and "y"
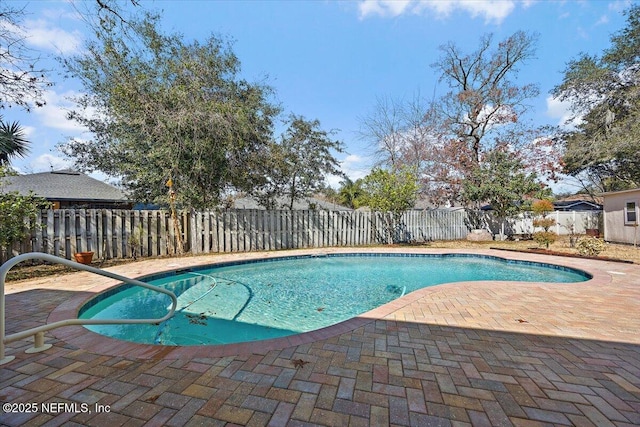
{"x": 349, "y": 192}
{"x": 12, "y": 142}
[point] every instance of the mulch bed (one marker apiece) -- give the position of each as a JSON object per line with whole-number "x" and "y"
{"x": 564, "y": 254}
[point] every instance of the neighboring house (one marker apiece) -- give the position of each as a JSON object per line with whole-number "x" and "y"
{"x": 576, "y": 205}
{"x": 68, "y": 189}
{"x": 424, "y": 204}
{"x": 622, "y": 216}
{"x": 283, "y": 203}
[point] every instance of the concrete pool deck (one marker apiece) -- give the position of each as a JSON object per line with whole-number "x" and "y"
{"x": 460, "y": 354}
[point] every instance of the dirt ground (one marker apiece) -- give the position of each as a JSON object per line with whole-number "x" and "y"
{"x": 615, "y": 251}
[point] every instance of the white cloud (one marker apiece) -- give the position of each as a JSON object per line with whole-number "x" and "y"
{"x": 42, "y": 34}
{"x": 54, "y": 113}
{"x": 29, "y": 131}
{"x": 604, "y": 19}
{"x": 48, "y": 162}
{"x": 561, "y": 110}
{"x": 493, "y": 11}
{"x": 351, "y": 159}
{"x": 59, "y": 13}
{"x": 354, "y": 166}
{"x": 620, "y": 5}
{"x": 383, "y": 7}
{"x": 582, "y": 33}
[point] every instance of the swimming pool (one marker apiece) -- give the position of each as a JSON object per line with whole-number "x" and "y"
{"x": 270, "y": 298}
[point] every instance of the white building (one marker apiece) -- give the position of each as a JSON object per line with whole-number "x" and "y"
{"x": 622, "y": 216}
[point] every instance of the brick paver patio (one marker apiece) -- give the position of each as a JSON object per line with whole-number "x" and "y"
{"x": 463, "y": 354}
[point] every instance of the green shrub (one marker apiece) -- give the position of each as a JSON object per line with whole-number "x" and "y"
{"x": 590, "y": 246}
{"x": 544, "y": 238}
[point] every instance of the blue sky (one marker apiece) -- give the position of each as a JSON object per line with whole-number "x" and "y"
{"x": 331, "y": 60}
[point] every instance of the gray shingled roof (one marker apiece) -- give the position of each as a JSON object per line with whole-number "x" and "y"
{"x": 64, "y": 185}
{"x": 282, "y": 203}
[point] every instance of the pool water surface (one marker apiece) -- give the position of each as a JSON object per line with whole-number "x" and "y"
{"x": 272, "y": 298}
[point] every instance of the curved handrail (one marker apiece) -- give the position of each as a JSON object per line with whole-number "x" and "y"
{"x": 38, "y": 332}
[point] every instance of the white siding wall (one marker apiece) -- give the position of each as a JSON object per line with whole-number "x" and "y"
{"x": 615, "y": 229}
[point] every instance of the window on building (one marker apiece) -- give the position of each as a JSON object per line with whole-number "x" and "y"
{"x": 630, "y": 213}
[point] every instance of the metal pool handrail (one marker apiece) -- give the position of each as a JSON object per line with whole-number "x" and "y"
{"x": 38, "y": 332}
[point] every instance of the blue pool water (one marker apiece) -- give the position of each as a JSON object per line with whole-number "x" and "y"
{"x": 264, "y": 299}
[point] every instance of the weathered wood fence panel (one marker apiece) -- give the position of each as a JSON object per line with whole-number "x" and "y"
{"x": 108, "y": 233}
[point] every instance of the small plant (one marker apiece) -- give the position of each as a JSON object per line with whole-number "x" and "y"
{"x": 545, "y": 238}
{"x": 544, "y": 223}
{"x": 541, "y": 208}
{"x": 590, "y": 246}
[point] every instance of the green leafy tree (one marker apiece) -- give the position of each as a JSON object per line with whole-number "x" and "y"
{"x": 350, "y": 193}
{"x": 18, "y": 212}
{"x": 162, "y": 110}
{"x": 297, "y": 165}
{"x": 502, "y": 181}
{"x": 391, "y": 192}
{"x": 12, "y": 142}
{"x": 603, "y": 150}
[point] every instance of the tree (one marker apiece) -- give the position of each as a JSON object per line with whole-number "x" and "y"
{"x": 540, "y": 209}
{"x": 483, "y": 102}
{"x": 391, "y": 192}
{"x": 501, "y": 181}
{"x": 12, "y": 142}
{"x": 161, "y": 110}
{"x": 350, "y": 193}
{"x": 604, "y": 91}
{"x": 18, "y": 213}
{"x": 405, "y": 133}
{"x": 22, "y": 82}
{"x": 297, "y": 165}
{"x": 482, "y": 110}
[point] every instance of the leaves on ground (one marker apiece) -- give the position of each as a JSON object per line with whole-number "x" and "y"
{"x": 299, "y": 363}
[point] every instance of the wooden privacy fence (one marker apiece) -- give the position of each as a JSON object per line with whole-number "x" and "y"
{"x": 118, "y": 233}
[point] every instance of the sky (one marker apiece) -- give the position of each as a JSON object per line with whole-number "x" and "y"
{"x": 330, "y": 60}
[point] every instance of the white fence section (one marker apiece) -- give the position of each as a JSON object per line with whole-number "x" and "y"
{"x": 571, "y": 222}
{"x": 108, "y": 233}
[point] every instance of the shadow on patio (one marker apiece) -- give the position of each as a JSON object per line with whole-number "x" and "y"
{"x": 386, "y": 372}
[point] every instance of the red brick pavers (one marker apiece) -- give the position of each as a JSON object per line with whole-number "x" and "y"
{"x": 464, "y": 354}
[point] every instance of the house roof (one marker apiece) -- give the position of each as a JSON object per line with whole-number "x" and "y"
{"x": 574, "y": 204}
{"x": 251, "y": 203}
{"x": 633, "y": 190}
{"x": 64, "y": 185}
{"x": 583, "y": 197}
{"x": 566, "y": 205}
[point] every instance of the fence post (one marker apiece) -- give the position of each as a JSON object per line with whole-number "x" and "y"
{"x": 50, "y": 232}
